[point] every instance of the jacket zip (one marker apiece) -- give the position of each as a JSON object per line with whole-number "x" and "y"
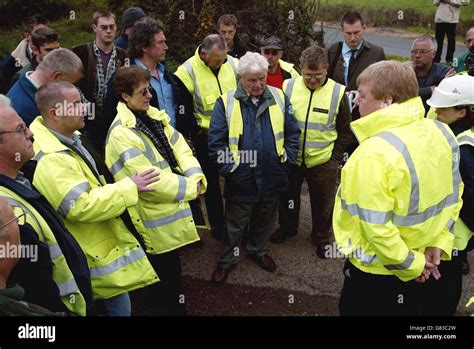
{"x": 306, "y": 127}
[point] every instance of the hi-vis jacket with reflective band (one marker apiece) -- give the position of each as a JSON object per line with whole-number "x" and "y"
{"x": 400, "y": 191}
{"x": 316, "y": 114}
{"x": 163, "y": 217}
{"x": 204, "y": 86}
{"x": 91, "y": 212}
{"x": 288, "y": 67}
{"x": 68, "y": 290}
{"x": 236, "y": 126}
{"x": 462, "y": 233}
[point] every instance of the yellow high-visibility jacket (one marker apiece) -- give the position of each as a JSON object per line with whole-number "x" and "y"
{"x": 204, "y": 86}
{"x": 316, "y": 114}
{"x": 91, "y": 210}
{"x": 162, "y": 217}
{"x": 400, "y": 192}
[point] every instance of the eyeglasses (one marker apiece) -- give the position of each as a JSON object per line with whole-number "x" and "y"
{"x": 421, "y": 52}
{"x": 19, "y": 217}
{"x": 145, "y": 91}
{"x": 22, "y": 129}
{"x": 105, "y": 27}
{"x": 313, "y": 76}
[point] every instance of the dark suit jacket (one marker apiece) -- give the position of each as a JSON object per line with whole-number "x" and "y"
{"x": 369, "y": 53}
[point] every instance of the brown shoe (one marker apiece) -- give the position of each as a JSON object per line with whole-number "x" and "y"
{"x": 266, "y": 262}
{"x": 219, "y": 276}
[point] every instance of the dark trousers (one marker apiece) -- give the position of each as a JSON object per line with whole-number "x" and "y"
{"x": 166, "y": 295}
{"x": 213, "y": 195}
{"x": 365, "y": 294}
{"x": 441, "y": 297}
{"x": 322, "y": 190}
{"x": 259, "y": 217}
{"x": 441, "y": 30}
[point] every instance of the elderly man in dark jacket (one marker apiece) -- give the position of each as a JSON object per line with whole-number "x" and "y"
{"x": 253, "y": 139}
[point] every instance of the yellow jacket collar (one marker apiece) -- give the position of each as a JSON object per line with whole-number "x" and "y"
{"x": 395, "y": 115}
{"x": 129, "y": 120}
{"x": 44, "y": 140}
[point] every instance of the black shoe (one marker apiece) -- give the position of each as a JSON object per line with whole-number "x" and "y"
{"x": 321, "y": 250}
{"x": 465, "y": 267}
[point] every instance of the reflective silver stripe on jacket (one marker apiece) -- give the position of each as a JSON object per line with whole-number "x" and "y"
{"x": 330, "y": 125}
{"x": 414, "y": 217}
{"x": 404, "y": 265}
{"x": 114, "y": 125}
{"x": 199, "y": 109}
{"x": 466, "y": 140}
{"x": 126, "y": 155}
{"x": 71, "y": 198}
{"x": 181, "y": 188}
{"x": 156, "y": 223}
{"x": 289, "y": 87}
{"x": 66, "y": 287}
{"x": 234, "y": 68}
{"x": 117, "y": 264}
{"x": 163, "y": 164}
{"x": 277, "y": 98}
{"x": 192, "y": 170}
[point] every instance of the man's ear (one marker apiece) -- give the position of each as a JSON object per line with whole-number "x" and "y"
{"x": 203, "y": 55}
{"x": 386, "y": 101}
{"x": 56, "y": 75}
{"x": 34, "y": 49}
{"x": 461, "y": 113}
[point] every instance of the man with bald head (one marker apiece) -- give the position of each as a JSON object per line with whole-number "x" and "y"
{"x": 58, "y": 277}
{"x": 202, "y": 79}
{"x": 93, "y": 208}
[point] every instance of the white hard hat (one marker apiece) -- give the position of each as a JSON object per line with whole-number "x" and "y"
{"x": 454, "y": 91}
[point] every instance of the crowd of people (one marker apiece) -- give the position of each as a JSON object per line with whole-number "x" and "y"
{"x": 105, "y": 153}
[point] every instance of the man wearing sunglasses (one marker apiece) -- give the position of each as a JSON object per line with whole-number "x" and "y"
{"x": 58, "y": 278}
{"x": 101, "y": 58}
{"x": 278, "y": 69}
{"x": 322, "y": 110}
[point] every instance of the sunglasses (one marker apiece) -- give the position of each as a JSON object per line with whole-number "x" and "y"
{"x": 145, "y": 91}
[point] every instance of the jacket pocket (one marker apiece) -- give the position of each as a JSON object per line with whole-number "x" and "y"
{"x": 104, "y": 252}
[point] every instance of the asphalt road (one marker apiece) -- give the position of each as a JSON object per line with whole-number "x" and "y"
{"x": 393, "y": 46}
{"x": 302, "y": 285}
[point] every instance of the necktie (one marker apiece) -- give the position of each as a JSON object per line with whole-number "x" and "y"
{"x": 351, "y": 63}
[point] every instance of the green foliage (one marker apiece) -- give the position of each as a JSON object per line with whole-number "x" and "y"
{"x": 186, "y": 22}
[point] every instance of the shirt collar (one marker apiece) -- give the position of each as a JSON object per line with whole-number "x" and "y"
{"x": 347, "y": 49}
{"x": 62, "y": 138}
{"x": 20, "y": 178}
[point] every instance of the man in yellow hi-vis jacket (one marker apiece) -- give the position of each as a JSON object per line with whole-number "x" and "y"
{"x": 72, "y": 180}
{"x": 399, "y": 197}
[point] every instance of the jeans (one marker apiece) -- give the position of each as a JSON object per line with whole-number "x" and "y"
{"x": 116, "y": 306}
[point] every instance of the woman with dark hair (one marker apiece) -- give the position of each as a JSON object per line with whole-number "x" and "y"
{"x": 142, "y": 136}
{"x": 454, "y": 103}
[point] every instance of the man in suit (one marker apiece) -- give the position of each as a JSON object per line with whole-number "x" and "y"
{"x": 349, "y": 58}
